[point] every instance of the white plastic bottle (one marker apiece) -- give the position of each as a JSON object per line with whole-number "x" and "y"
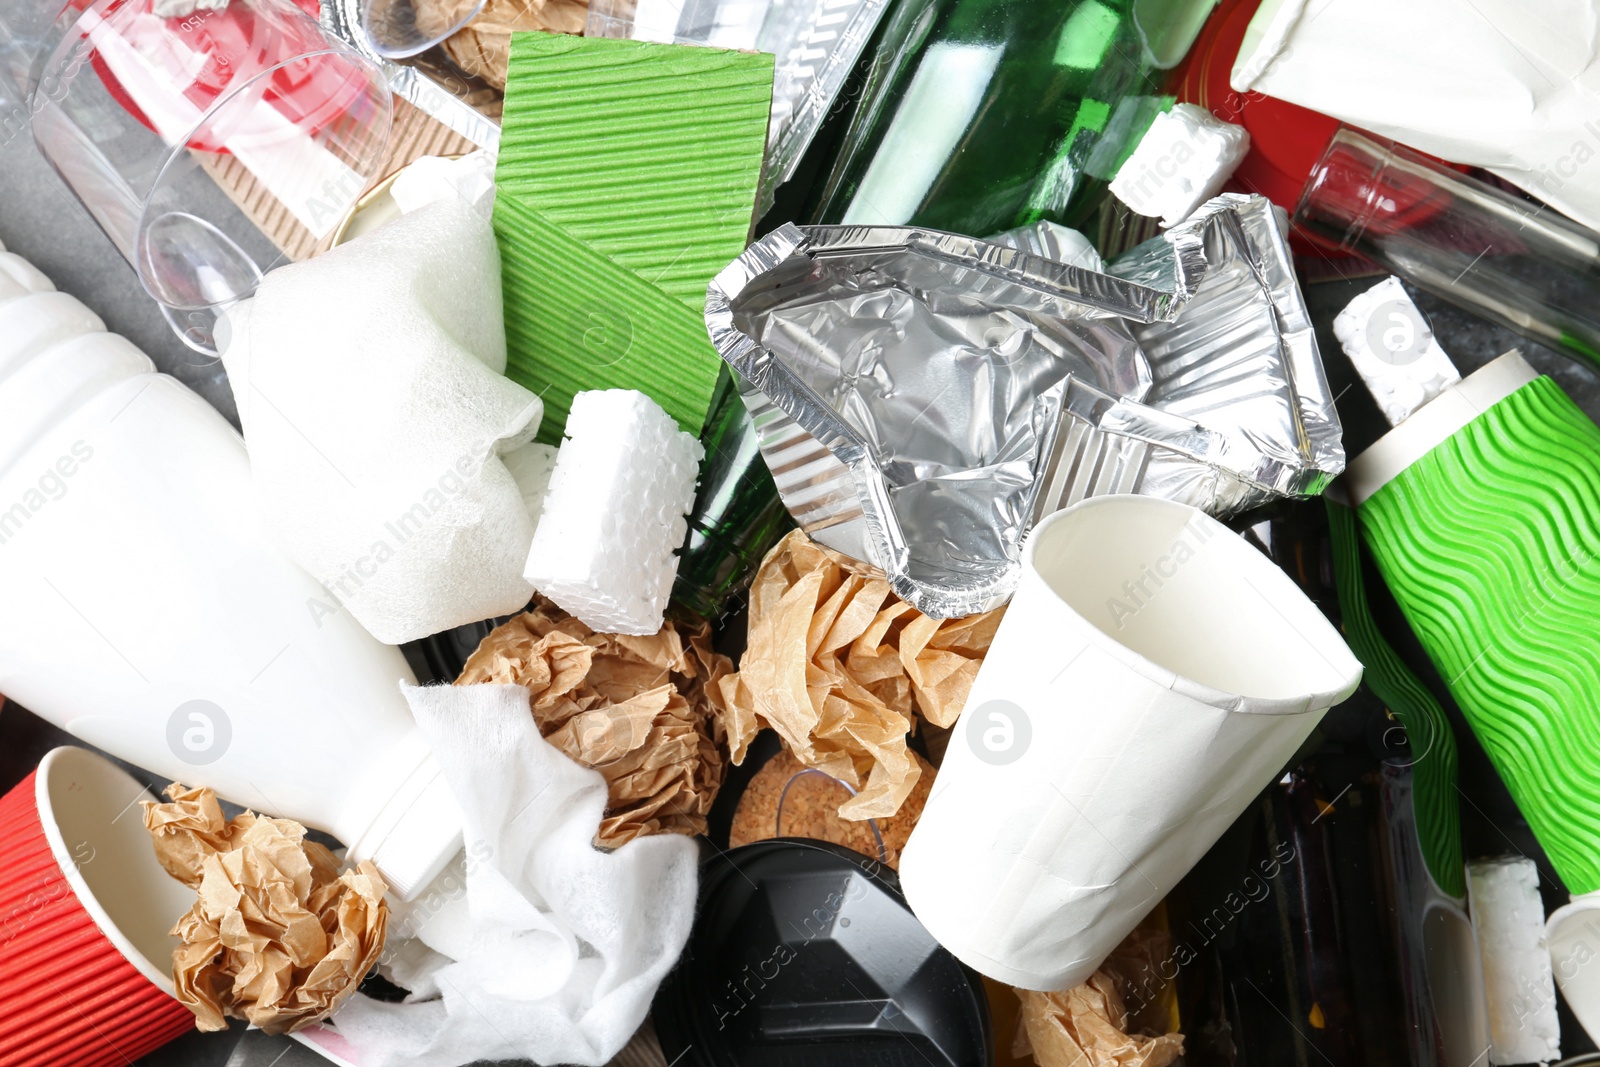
{"x": 142, "y": 609}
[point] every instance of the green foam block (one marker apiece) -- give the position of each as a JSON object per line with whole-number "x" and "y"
{"x": 626, "y": 181}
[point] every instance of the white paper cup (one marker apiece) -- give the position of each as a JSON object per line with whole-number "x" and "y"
{"x": 1152, "y": 675}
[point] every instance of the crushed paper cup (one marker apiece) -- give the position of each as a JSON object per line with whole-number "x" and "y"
{"x": 926, "y": 373}
{"x": 1220, "y": 403}
{"x": 84, "y": 912}
{"x": 1153, "y": 674}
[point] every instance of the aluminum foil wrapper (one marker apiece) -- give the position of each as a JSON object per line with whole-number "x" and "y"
{"x": 1241, "y": 360}
{"x": 911, "y": 383}
{"x": 923, "y": 398}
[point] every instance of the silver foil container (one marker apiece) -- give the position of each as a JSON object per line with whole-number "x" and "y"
{"x": 922, "y": 399}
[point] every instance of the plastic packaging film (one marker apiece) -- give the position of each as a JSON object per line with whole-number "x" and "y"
{"x": 1491, "y": 545}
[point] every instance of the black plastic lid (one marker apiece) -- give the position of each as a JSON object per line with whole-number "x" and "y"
{"x": 804, "y": 952}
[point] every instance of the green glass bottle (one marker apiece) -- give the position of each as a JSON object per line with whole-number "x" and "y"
{"x": 972, "y": 116}
{"x": 737, "y": 514}
{"x": 982, "y": 115}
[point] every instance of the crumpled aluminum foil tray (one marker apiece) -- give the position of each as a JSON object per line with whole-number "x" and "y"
{"x": 922, "y": 399}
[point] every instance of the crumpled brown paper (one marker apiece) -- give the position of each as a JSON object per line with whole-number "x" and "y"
{"x": 1088, "y": 1025}
{"x": 277, "y": 936}
{"x": 643, "y": 711}
{"x": 1083, "y": 1027}
{"x": 836, "y": 663}
{"x": 483, "y": 46}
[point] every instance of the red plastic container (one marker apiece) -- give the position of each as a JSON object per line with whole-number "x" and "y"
{"x": 84, "y": 909}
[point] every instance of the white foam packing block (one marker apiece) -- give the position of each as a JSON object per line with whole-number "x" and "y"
{"x": 371, "y": 386}
{"x": 614, "y": 513}
{"x": 1518, "y": 982}
{"x": 1394, "y": 350}
{"x": 1182, "y": 161}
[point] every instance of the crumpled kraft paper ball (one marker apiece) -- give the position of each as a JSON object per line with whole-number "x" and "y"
{"x": 836, "y": 663}
{"x": 643, "y": 711}
{"x": 537, "y": 945}
{"x": 370, "y": 384}
{"x": 277, "y": 935}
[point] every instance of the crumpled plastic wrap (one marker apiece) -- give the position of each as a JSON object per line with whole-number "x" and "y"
{"x": 278, "y": 936}
{"x": 838, "y": 664}
{"x": 643, "y": 711}
{"x": 535, "y": 945}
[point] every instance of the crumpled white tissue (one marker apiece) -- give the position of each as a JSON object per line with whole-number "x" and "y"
{"x": 371, "y": 385}
{"x": 536, "y": 945}
{"x": 1500, "y": 84}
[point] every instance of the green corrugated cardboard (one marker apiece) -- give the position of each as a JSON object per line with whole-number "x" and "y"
{"x": 626, "y": 180}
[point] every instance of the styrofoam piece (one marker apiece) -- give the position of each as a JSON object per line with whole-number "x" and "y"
{"x": 1182, "y": 161}
{"x": 614, "y": 513}
{"x": 1508, "y": 919}
{"x": 1394, "y": 350}
{"x": 1152, "y": 675}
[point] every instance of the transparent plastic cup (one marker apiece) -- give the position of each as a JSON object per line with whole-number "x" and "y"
{"x": 145, "y": 118}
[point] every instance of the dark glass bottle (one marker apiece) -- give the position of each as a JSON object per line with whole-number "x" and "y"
{"x": 737, "y": 514}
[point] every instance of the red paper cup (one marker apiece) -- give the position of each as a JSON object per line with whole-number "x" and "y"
{"x": 85, "y": 957}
